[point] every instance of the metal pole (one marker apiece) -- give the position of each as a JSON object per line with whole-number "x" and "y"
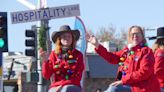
{"x": 1, "y": 75}
{"x": 11, "y": 69}
{"x": 42, "y": 4}
{"x": 40, "y": 82}
{"x": 48, "y": 44}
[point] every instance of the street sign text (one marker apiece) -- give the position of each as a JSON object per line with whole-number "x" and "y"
{"x": 48, "y": 13}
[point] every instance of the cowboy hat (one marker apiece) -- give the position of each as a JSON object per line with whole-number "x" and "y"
{"x": 65, "y": 29}
{"x": 160, "y": 34}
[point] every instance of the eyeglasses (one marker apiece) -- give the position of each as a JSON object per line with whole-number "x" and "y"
{"x": 136, "y": 34}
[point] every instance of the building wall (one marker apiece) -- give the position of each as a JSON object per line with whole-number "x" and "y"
{"x": 99, "y": 68}
{"x": 99, "y": 73}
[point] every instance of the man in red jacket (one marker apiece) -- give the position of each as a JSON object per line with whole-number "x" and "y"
{"x": 136, "y": 63}
{"x": 158, "y": 49}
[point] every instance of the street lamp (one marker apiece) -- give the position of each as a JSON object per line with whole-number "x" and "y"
{"x": 24, "y": 66}
{"x": 11, "y": 67}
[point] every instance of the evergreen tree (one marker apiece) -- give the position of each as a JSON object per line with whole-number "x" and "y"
{"x": 42, "y": 38}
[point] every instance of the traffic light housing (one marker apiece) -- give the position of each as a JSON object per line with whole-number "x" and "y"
{"x": 3, "y": 32}
{"x": 31, "y": 43}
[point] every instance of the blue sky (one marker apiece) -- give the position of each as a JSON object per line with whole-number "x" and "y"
{"x": 94, "y": 13}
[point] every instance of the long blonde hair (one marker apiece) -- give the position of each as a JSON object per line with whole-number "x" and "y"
{"x": 58, "y": 44}
{"x": 141, "y": 30}
{"x": 159, "y": 43}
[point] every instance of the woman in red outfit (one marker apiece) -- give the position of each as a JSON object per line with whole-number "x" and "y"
{"x": 65, "y": 64}
{"x": 136, "y": 62}
{"x": 158, "y": 49}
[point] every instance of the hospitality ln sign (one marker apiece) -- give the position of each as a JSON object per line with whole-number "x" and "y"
{"x": 47, "y": 13}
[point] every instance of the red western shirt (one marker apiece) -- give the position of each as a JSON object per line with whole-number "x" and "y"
{"x": 159, "y": 66}
{"x": 64, "y": 71}
{"x": 137, "y": 69}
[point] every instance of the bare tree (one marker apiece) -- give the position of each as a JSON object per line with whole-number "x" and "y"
{"x": 122, "y": 39}
{"x": 112, "y": 34}
{"x": 106, "y": 34}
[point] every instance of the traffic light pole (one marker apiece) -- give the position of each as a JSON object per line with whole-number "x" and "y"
{"x": 41, "y": 87}
{"x": 40, "y": 83}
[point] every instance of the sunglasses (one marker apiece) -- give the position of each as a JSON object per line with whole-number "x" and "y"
{"x": 137, "y": 34}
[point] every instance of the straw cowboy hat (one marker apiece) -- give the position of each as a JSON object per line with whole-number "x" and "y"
{"x": 65, "y": 29}
{"x": 160, "y": 34}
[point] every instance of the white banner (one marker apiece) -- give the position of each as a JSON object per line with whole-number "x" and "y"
{"x": 48, "y": 13}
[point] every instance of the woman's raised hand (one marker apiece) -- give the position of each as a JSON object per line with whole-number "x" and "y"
{"x": 43, "y": 54}
{"x": 92, "y": 39}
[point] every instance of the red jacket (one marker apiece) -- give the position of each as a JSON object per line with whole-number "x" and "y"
{"x": 136, "y": 68}
{"x": 159, "y": 66}
{"x": 64, "y": 71}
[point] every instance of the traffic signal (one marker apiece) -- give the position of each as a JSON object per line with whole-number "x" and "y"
{"x": 31, "y": 43}
{"x": 3, "y": 32}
